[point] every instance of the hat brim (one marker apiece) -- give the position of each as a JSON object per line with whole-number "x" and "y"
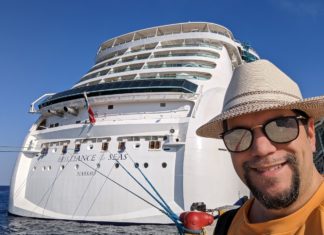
{"x": 314, "y": 107}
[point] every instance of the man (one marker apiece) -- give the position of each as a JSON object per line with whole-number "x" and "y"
{"x": 269, "y": 130}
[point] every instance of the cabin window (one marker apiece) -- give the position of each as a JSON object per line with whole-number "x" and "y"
{"x": 56, "y": 124}
{"x": 77, "y": 147}
{"x": 104, "y": 146}
{"x": 157, "y": 144}
{"x": 154, "y": 144}
{"x": 44, "y": 150}
{"x": 121, "y": 146}
{"x": 151, "y": 145}
{"x": 110, "y": 106}
{"x": 162, "y": 104}
{"x": 64, "y": 149}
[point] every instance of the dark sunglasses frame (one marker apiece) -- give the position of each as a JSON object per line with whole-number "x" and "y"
{"x": 263, "y": 128}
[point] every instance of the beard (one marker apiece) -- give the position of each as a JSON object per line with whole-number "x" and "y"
{"x": 282, "y": 199}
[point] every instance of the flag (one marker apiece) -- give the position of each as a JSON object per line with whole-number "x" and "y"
{"x": 92, "y": 118}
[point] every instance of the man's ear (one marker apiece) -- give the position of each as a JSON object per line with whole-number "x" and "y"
{"x": 311, "y": 134}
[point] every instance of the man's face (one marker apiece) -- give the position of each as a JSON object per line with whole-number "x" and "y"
{"x": 277, "y": 174}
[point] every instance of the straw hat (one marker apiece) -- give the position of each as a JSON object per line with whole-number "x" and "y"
{"x": 259, "y": 86}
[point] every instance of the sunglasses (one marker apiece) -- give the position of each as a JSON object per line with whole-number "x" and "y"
{"x": 279, "y": 130}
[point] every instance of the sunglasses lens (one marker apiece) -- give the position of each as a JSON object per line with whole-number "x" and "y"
{"x": 238, "y": 140}
{"x": 282, "y": 130}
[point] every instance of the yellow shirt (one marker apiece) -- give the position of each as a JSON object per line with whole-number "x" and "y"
{"x": 307, "y": 220}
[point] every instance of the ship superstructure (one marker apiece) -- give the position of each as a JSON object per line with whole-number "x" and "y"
{"x": 149, "y": 91}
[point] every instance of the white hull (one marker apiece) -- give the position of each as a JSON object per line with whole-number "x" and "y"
{"x": 86, "y": 184}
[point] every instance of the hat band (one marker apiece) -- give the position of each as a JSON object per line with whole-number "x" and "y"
{"x": 258, "y": 104}
{"x": 268, "y": 97}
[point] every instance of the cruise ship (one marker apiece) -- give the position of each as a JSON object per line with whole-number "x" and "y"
{"x": 134, "y": 114}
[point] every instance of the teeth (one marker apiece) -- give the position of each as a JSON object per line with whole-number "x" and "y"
{"x": 272, "y": 168}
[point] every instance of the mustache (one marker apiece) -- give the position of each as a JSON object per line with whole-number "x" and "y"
{"x": 290, "y": 159}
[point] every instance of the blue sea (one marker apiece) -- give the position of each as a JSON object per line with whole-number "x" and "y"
{"x": 10, "y": 224}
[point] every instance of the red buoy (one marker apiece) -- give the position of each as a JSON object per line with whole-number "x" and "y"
{"x": 196, "y": 220}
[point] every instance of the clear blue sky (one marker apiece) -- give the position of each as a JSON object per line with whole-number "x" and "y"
{"x": 46, "y": 46}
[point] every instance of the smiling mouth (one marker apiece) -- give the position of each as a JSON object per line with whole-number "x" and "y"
{"x": 263, "y": 169}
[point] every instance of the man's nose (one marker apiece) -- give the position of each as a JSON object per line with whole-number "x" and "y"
{"x": 261, "y": 145}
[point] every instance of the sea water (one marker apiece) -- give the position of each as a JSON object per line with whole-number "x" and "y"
{"x": 10, "y": 224}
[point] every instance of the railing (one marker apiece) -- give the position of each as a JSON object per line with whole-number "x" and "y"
{"x": 189, "y": 54}
{"x": 152, "y": 36}
{"x": 32, "y": 108}
{"x": 183, "y": 112}
{"x": 192, "y": 45}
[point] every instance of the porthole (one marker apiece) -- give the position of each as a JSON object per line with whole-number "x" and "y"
{"x": 76, "y": 166}
{"x": 137, "y": 145}
{"x": 90, "y": 146}
{"x": 34, "y": 168}
{"x": 49, "y": 168}
{"x": 98, "y": 165}
{"x": 146, "y": 165}
{"x": 136, "y": 165}
{"x": 164, "y": 164}
{"x": 62, "y": 167}
{"x": 43, "y": 168}
{"x": 116, "y": 165}
{"x": 54, "y": 150}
